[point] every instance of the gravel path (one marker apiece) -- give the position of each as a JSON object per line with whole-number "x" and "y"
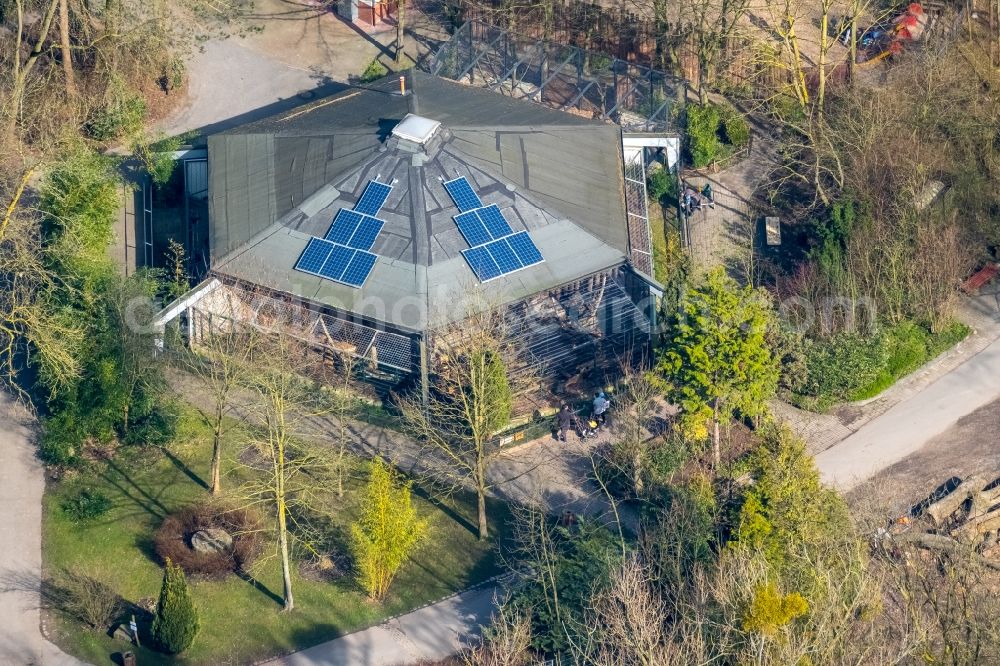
{"x": 21, "y": 486}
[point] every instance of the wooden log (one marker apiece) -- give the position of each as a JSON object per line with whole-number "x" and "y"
{"x": 950, "y": 503}
{"x": 945, "y": 544}
{"x": 978, "y": 525}
{"x": 983, "y": 501}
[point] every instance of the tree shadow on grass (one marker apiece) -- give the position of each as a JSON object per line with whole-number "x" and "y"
{"x": 257, "y": 585}
{"x": 116, "y": 477}
{"x": 446, "y": 508}
{"x": 188, "y": 472}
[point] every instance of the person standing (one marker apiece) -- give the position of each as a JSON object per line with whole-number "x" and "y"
{"x": 706, "y": 192}
{"x": 565, "y": 421}
{"x": 601, "y": 405}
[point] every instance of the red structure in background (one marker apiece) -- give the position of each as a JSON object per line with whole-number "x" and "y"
{"x": 373, "y": 11}
{"x": 879, "y": 42}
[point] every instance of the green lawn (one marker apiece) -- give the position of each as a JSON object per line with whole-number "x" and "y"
{"x": 240, "y": 622}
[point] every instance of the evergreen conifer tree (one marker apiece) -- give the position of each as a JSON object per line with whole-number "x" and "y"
{"x": 176, "y": 621}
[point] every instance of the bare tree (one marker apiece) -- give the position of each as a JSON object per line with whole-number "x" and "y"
{"x": 627, "y": 621}
{"x": 477, "y": 372}
{"x": 635, "y": 408}
{"x": 506, "y": 641}
{"x": 225, "y": 359}
{"x": 289, "y": 472}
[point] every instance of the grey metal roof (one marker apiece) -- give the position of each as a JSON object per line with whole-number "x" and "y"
{"x": 279, "y": 180}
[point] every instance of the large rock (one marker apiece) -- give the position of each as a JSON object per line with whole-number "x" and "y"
{"x": 213, "y": 540}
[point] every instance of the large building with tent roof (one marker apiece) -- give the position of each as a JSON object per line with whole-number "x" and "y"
{"x": 365, "y": 221}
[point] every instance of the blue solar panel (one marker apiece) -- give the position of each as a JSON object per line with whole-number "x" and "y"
{"x": 366, "y": 234}
{"x": 344, "y": 226}
{"x": 358, "y": 269}
{"x": 482, "y": 263}
{"x": 371, "y": 201}
{"x": 525, "y": 249}
{"x": 337, "y": 262}
{"x": 314, "y": 256}
{"x": 461, "y": 193}
{"x": 472, "y": 228}
{"x": 494, "y": 221}
{"x": 504, "y": 257}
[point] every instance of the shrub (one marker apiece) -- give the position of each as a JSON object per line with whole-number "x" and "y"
{"x": 83, "y": 597}
{"x": 735, "y": 129}
{"x": 579, "y": 561}
{"x": 86, "y": 505}
{"x": 658, "y": 461}
{"x": 387, "y": 532}
{"x": 837, "y": 367}
{"x": 662, "y": 187}
{"x": 770, "y": 610}
{"x": 374, "y": 71}
{"x": 681, "y": 527}
{"x": 703, "y": 134}
{"x": 176, "y": 622}
{"x": 156, "y": 428}
{"x": 172, "y": 539}
{"x": 62, "y": 437}
{"x": 123, "y": 114}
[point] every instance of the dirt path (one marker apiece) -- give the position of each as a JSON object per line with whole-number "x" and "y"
{"x": 302, "y": 52}
{"x": 21, "y": 486}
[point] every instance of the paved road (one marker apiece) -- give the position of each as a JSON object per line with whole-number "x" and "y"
{"x": 430, "y": 633}
{"x": 906, "y": 427}
{"x": 21, "y": 487}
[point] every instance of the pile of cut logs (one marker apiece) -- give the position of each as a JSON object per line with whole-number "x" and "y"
{"x": 968, "y": 516}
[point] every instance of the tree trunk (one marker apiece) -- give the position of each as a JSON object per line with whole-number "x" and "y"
{"x": 67, "y": 54}
{"x": 216, "y": 488}
{"x": 400, "y": 29}
{"x": 716, "y": 445}
{"x": 21, "y": 72}
{"x": 14, "y": 201}
{"x": 216, "y": 463}
{"x": 483, "y": 527}
{"x": 852, "y": 57}
{"x": 637, "y": 471}
{"x": 481, "y": 500}
{"x": 286, "y": 574}
{"x": 824, "y": 41}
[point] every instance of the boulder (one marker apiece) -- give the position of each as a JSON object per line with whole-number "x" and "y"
{"x": 212, "y": 540}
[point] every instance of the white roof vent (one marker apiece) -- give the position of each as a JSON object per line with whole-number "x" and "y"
{"x": 416, "y": 128}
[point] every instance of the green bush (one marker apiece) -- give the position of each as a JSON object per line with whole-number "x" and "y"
{"x": 848, "y": 366}
{"x": 735, "y": 128}
{"x": 123, "y": 114}
{"x": 581, "y": 560}
{"x": 176, "y": 622}
{"x": 703, "y": 134}
{"x": 661, "y": 186}
{"x": 839, "y": 366}
{"x": 155, "y": 429}
{"x": 86, "y": 505}
{"x": 373, "y": 72}
{"x": 62, "y": 436}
